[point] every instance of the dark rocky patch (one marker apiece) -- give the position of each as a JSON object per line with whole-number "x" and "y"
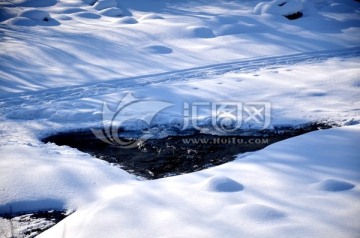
{"x": 294, "y": 16}
{"x": 30, "y": 224}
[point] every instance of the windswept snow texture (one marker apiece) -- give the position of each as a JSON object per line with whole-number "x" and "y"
{"x": 327, "y": 90}
{"x": 60, "y": 60}
{"x": 103, "y": 40}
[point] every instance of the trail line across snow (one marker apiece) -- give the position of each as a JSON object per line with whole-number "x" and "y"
{"x": 13, "y": 101}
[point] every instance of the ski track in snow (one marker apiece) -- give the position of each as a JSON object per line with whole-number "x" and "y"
{"x": 11, "y": 102}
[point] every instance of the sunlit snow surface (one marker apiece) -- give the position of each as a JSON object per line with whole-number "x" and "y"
{"x": 61, "y": 60}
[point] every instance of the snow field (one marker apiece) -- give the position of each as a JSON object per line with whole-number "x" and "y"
{"x": 60, "y": 60}
{"x": 266, "y": 194}
{"x": 193, "y": 36}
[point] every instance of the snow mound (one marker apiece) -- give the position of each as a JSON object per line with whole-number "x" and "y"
{"x": 88, "y": 15}
{"x": 334, "y": 185}
{"x": 261, "y": 213}
{"x": 222, "y": 184}
{"x": 151, "y": 16}
{"x": 158, "y": 49}
{"x": 33, "y": 17}
{"x": 200, "y": 32}
{"x": 21, "y": 21}
{"x": 112, "y": 12}
{"x": 103, "y": 4}
{"x": 126, "y": 20}
{"x": 279, "y": 7}
{"x": 35, "y": 14}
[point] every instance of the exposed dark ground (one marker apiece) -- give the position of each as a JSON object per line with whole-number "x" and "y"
{"x": 174, "y": 155}
{"x": 29, "y": 224}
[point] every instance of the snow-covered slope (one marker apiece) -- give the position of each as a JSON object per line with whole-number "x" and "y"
{"x": 308, "y": 186}
{"x": 162, "y": 36}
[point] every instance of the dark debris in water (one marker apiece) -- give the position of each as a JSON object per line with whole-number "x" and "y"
{"x": 175, "y": 155}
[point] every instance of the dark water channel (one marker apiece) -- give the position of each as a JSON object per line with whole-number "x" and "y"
{"x": 178, "y": 154}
